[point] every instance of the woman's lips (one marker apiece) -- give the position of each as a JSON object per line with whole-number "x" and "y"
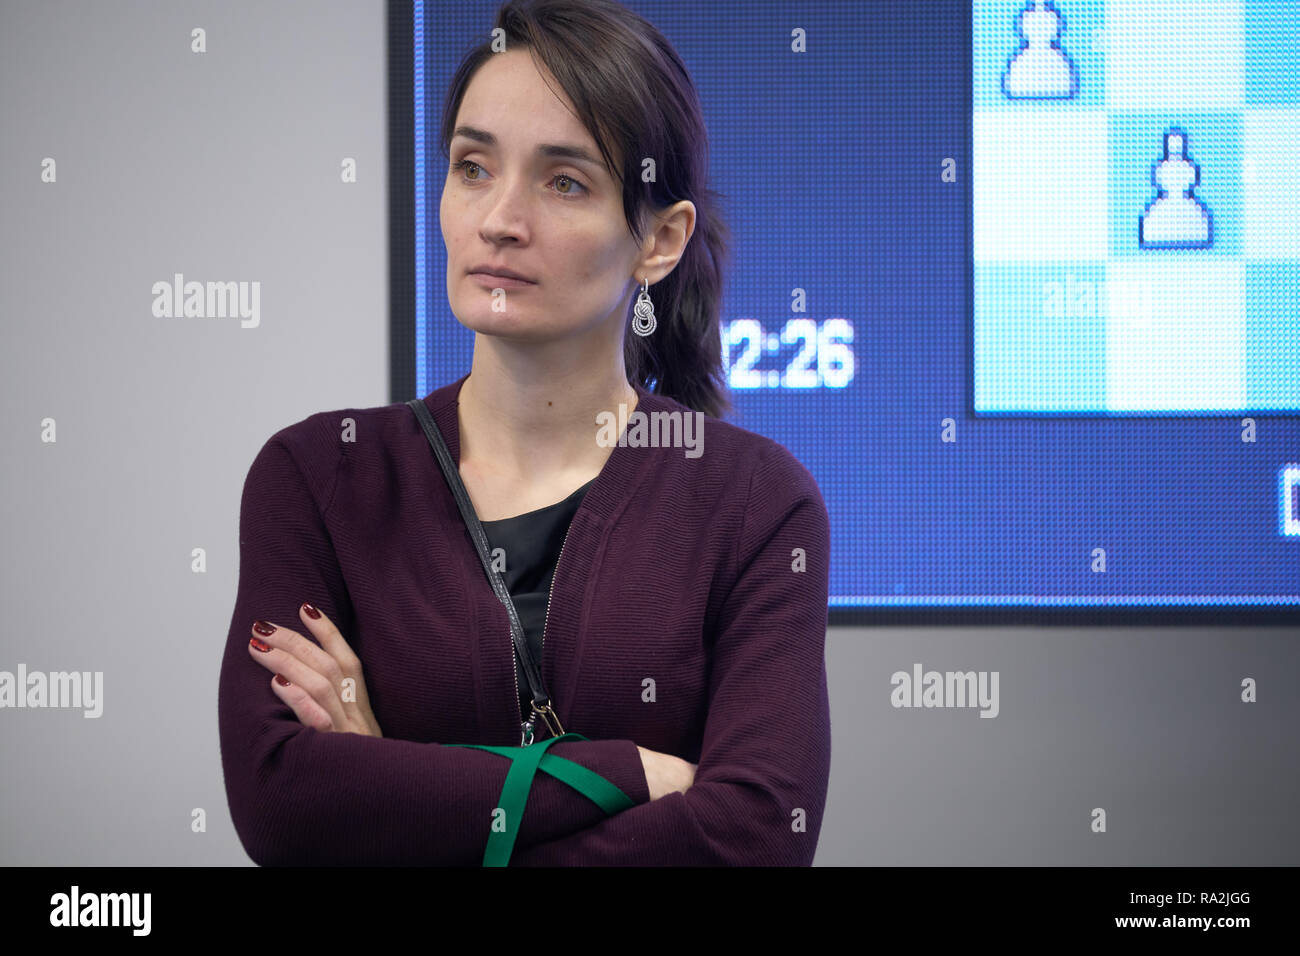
{"x": 489, "y": 281}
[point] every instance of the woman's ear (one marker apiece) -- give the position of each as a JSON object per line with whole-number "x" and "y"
{"x": 665, "y": 245}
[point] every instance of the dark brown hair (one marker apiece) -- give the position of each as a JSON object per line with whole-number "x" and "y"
{"x": 632, "y": 92}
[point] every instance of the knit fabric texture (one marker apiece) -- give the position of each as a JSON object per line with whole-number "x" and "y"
{"x": 688, "y": 615}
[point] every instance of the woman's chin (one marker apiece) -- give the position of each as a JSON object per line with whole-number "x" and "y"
{"x": 484, "y": 320}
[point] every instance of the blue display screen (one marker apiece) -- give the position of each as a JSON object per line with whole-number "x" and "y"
{"x": 1018, "y": 282}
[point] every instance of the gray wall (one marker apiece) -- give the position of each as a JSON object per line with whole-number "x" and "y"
{"x": 226, "y": 166}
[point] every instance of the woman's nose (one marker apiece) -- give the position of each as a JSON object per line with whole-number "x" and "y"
{"x": 506, "y": 213}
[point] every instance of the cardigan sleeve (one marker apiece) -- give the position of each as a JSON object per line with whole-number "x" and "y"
{"x": 760, "y": 784}
{"x": 303, "y": 797}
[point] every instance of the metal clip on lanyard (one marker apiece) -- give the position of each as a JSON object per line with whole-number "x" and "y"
{"x": 541, "y": 700}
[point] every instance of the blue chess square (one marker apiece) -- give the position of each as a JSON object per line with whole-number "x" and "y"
{"x": 1273, "y": 336}
{"x": 1272, "y": 41}
{"x": 1137, "y": 145}
{"x": 1039, "y": 345}
{"x": 996, "y": 43}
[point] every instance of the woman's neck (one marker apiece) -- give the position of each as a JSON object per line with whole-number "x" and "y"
{"x": 528, "y": 421}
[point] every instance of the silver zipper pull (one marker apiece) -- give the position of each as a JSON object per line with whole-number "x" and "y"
{"x": 551, "y": 718}
{"x": 526, "y": 734}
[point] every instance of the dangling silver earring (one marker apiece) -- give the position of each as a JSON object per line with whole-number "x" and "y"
{"x": 643, "y": 321}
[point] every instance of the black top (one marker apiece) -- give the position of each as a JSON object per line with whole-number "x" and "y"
{"x": 532, "y": 543}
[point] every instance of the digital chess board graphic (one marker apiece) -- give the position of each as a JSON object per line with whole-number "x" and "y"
{"x": 1136, "y": 207}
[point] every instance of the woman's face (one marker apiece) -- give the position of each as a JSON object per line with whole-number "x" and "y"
{"x": 517, "y": 204}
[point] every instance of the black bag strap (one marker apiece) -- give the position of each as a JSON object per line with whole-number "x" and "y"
{"x": 541, "y": 700}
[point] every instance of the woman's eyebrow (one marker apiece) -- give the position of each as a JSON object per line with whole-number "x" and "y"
{"x": 554, "y": 150}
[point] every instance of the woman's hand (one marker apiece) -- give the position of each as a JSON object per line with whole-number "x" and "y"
{"x": 665, "y": 773}
{"x": 323, "y": 685}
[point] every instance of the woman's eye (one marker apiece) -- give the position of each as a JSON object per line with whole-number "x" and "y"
{"x": 571, "y": 180}
{"x": 464, "y": 165}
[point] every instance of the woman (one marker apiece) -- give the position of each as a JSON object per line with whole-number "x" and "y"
{"x": 673, "y": 591}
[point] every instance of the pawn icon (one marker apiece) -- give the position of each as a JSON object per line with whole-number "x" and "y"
{"x": 1175, "y": 219}
{"x": 1040, "y": 69}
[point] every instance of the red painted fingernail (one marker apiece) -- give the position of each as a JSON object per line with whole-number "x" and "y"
{"x": 263, "y": 628}
{"x": 281, "y": 681}
{"x": 311, "y": 612}
{"x": 259, "y": 645}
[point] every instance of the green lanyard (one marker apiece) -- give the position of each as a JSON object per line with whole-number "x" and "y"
{"x": 525, "y": 762}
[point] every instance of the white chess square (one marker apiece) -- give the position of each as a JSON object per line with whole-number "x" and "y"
{"x": 1172, "y": 55}
{"x": 1270, "y": 193}
{"x": 1040, "y": 185}
{"x": 1185, "y": 348}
